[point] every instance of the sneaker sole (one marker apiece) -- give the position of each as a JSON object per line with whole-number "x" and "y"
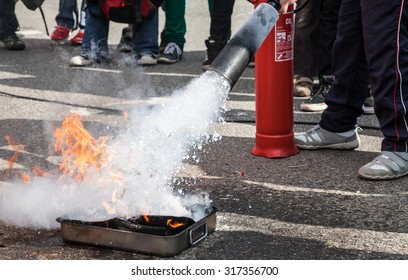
{"x": 146, "y": 63}
{"x": 77, "y": 63}
{"x": 381, "y": 177}
{"x": 312, "y": 107}
{"x": 339, "y": 146}
{"x": 301, "y": 94}
{"x": 15, "y": 48}
{"x": 63, "y": 41}
{"x": 166, "y": 61}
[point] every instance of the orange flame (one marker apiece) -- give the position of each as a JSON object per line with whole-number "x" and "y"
{"x": 38, "y": 172}
{"x": 145, "y": 215}
{"x": 175, "y": 224}
{"x": 79, "y": 149}
{"x": 17, "y": 150}
{"x": 126, "y": 115}
{"x": 26, "y": 178}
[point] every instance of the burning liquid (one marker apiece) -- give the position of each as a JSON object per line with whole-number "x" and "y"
{"x": 134, "y": 172}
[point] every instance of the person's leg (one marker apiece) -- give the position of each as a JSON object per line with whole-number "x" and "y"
{"x": 173, "y": 35}
{"x": 348, "y": 92}
{"x": 329, "y": 14}
{"x": 8, "y": 20}
{"x": 9, "y": 25}
{"x": 145, "y": 41}
{"x": 77, "y": 39}
{"x": 305, "y": 48}
{"x": 306, "y": 39}
{"x": 67, "y": 20}
{"x": 220, "y": 29}
{"x": 175, "y": 25}
{"x": 386, "y": 42}
{"x": 329, "y": 11}
{"x": 221, "y": 18}
{"x": 67, "y": 14}
{"x": 82, "y": 17}
{"x": 210, "y": 5}
{"x": 337, "y": 127}
{"x": 95, "y": 41}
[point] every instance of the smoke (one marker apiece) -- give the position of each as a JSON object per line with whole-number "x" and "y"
{"x": 138, "y": 178}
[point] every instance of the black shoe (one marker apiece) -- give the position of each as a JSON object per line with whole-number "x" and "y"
{"x": 12, "y": 42}
{"x": 171, "y": 54}
{"x": 316, "y": 103}
{"x": 214, "y": 47}
{"x": 126, "y": 42}
{"x": 368, "y": 106}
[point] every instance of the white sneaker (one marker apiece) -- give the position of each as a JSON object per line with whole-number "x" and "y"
{"x": 387, "y": 166}
{"x": 147, "y": 59}
{"x": 80, "y": 61}
{"x": 319, "y": 138}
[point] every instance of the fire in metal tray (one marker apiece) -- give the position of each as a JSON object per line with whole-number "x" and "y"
{"x": 155, "y": 225}
{"x": 156, "y": 235}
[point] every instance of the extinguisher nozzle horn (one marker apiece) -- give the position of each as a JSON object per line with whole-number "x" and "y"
{"x": 232, "y": 61}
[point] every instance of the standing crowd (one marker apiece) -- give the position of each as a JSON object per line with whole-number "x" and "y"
{"x": 350, "y": 58}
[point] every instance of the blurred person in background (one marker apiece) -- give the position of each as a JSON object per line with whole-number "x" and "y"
{"x": 95, "y": 41}
{"x": 315, "y": 32}
{"x": 220, "y": 28}
{"x": 9, "y": 25}
{"x": 68, "y": 19}
{"x": 173, "y": 35}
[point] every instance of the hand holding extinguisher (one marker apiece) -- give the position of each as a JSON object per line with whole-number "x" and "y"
{"x": 284, "y": 4}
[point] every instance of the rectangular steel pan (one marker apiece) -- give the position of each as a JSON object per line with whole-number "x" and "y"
{"x": 164, "y": 246}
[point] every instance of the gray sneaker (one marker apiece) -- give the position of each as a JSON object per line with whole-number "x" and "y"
{"x": 319, "y": 138}
{"x": 387, "y": 166}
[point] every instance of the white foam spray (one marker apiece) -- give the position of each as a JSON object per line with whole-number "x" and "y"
{"x": 138, "y": 178}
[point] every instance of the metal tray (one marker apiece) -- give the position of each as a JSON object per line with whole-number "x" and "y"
{"x": 165, "y": 246}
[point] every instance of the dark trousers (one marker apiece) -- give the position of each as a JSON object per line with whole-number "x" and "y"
{"x": 371, "y": 44}
{"x": 314, "y": 37}
{"x": 221, "y": 13}
{"x": 8, "y": 21}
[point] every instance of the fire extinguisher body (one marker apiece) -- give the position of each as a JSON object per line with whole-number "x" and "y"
{"x": 274, "y": 92}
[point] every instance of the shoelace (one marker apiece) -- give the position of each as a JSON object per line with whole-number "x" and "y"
{"x": 170, "y": 48}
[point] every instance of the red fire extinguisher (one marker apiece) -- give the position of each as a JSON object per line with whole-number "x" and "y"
{"x": 274, "y": 91}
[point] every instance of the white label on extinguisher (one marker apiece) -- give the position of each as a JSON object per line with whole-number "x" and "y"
{"x": 284, "y": 39}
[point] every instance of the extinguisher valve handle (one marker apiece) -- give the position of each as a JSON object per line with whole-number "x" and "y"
{"x": 275, "y": 3}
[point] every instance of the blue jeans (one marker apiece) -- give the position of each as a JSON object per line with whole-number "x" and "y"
{"x": 95, "y": 41}
{"x": 145, "y": 37}
{"x": 8, "y": 21}
{"x": 68, "y": 14}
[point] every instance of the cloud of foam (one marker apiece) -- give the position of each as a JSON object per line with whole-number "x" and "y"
{"x": 139, "y": 176}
